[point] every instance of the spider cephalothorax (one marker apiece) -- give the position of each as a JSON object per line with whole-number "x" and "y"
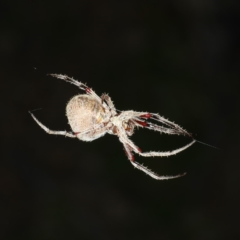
{"x": 91, "y": 117}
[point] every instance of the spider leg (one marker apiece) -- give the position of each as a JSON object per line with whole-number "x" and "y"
{"x": 129, "y": 146}
{"x": 145, "y": 169}
{"x": 173, "y": 127}
{"x": 103, "y": 128}
{"x": 142, "y": 120}
{"x": 47, "y": 130}
{"x": 155, "y": 127}
{"x": 105, "y": 97}
{"x": 165, "y": 154}
{"x": 128, "y": 152}
{"x": 152, "y": 174}
{"x": 137, "y": 150}
{"x": 80, "y": 85}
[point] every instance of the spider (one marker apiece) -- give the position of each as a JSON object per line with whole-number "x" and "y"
{"x": 91, "y": 116}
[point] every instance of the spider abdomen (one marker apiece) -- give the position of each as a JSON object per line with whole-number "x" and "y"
{"x": 85, "y": 115}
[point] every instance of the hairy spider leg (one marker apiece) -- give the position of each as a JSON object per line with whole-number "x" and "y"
{"x": 173, "y": 125}
{"x": 152, "y": 174}
{"x": 155, "y": 127}
{"x": 145, "y": 169}
{"x": 105, "y": 97}
{"x": 49, "y": 131}
{"x": 174, "y": 128}
{"x": 80, "y": 85}
{"x": 153, "y": 153}
{"x": 88, "y": 90}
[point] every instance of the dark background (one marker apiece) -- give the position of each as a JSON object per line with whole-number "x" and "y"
{"x": 178, "y": 58}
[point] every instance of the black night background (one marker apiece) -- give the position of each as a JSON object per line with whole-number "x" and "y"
{"x": 180, "y": 59}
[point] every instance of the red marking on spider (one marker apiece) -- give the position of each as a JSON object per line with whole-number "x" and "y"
{"x": 148, "y": 115}
{"x": 139, "y": 149}
{"x": 144, "y": 124}
{"x": 88, "y": 90}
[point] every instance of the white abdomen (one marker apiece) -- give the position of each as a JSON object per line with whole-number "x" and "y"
{"x": 85, "y": 116}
